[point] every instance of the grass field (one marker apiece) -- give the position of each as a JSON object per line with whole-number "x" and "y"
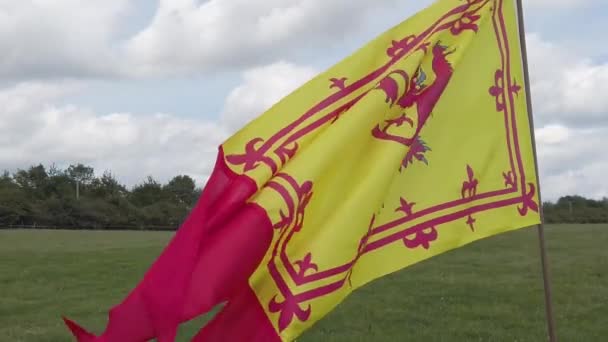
{"x": 487, "y": 291}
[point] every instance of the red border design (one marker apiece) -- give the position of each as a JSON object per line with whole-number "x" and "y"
{"x": 290, "y": 303}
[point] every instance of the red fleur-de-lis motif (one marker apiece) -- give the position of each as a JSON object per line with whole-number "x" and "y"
{"x": 422, "y": 237}
{"x": 288, "y": 309}
{"x": 252, "y": 156}
{"x": 466, "y": 22}
{"x": 497, "y": 90}
{"x": 405, "y": 207}
{"x": 399, "y": 47}
{"x": 471, "y": 222}
{"x": 339, "y": 83}
{"x": 469, "y": 187}
{"x": 305, "y": 265}
{"x": 515, "y": 88}
{"x": 510, "y": 181}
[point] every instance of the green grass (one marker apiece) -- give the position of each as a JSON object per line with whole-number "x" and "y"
{"x": 487, "y": 291}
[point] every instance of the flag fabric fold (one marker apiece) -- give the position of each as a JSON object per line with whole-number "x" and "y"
{"x": 416, "y": 144}
{"x": 198, "y": 269}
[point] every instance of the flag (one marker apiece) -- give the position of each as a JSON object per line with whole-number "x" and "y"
{"x": 416, "y": 144}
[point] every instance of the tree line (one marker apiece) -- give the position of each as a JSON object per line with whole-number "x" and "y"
{"x": 576, "y": 209}
{"x": 76, "y": 198}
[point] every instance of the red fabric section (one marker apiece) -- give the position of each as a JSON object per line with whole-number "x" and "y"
{"x": 81, "y": 334}
{"x": 213, "y": 253}
{"x": 243, "y": 319}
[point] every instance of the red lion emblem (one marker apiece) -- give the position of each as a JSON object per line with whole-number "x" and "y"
{"x": 419, "y": 95}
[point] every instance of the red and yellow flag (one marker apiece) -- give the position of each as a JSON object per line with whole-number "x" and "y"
{"x": 416, "y": 144}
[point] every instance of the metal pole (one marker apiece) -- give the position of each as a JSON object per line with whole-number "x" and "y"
{"x": 541, "y": 226}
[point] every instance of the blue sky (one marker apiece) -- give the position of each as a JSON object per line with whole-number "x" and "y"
{"x": 99, "y": 82}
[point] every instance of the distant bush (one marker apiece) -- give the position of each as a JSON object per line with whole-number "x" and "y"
{"x": 76, "y": 198}
{"x": 576, "y": 209}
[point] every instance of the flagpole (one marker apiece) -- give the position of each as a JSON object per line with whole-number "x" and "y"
{"x": 541, "y": 226}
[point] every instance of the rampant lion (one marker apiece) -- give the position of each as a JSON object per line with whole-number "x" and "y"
{"x": 417, "y": 101}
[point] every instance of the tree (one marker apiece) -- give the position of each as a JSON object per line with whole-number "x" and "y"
{"x": 34, "y": 180}
{"x": 576, "y": 209}
{"x": 146, "y": 194}
{"x": 6, "y": 181}
{"x": 181, "y": 190}
{"x": 61, "y": 185}
{"x": 81, "y": 173}
{"x": 54, "y": 171}
{"x": 107, "y": 186}
{"x": 14, "y": 202}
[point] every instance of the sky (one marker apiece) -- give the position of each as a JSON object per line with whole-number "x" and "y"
{"x": 143, "y": 87}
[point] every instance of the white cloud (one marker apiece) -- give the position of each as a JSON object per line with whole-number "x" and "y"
{"x": 187, "y": 35}
{"x": 575, "y": 163}
{"x": 52, "y": 38}
{"x": 261, "y": 88}
{"x": 565, "y": 86}
{"x": 572, "y": 111}
{"x": 73, "y": 38}
{"x": 572, "y": 161}
{"x": 583, "y": 87}
{"x": 552, "y": 134}
{"x": 35, "y": 130}
{"x": 194, "y": 35}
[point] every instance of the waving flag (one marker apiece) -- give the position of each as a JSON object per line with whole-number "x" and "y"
{"x": 416, "y": 144}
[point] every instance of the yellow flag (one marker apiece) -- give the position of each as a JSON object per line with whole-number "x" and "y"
{"x": 416, "y": 144}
